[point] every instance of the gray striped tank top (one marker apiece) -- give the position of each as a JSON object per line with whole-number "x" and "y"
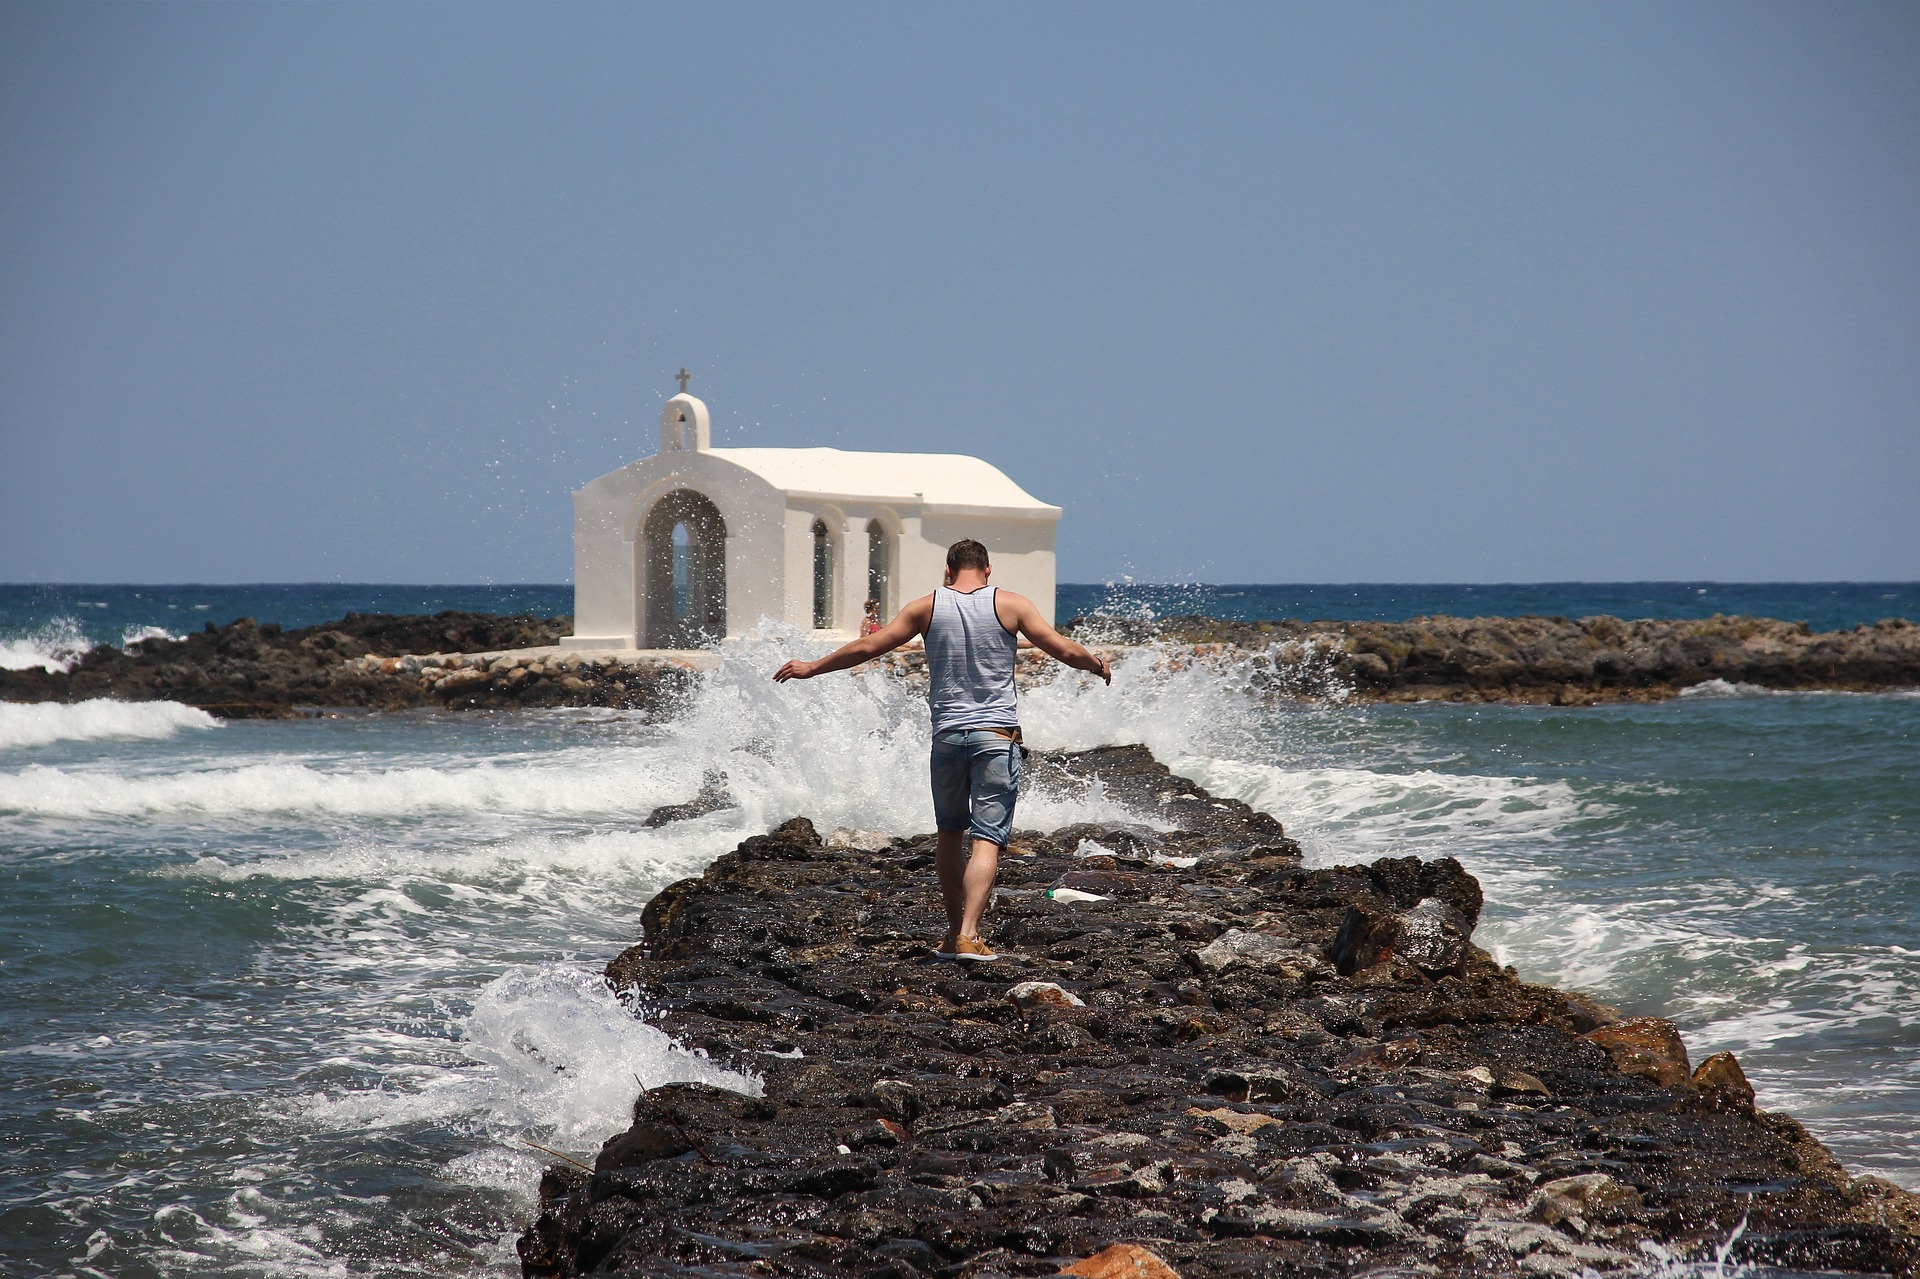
{"x": 970, "y": 660}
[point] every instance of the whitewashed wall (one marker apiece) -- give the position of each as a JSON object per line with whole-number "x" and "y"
{"x": 769, "y": 542}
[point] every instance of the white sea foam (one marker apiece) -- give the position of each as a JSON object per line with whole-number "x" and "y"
{"x": 1350, "y": 814}
{"x": 57, "y": 645}
{"x": 1728, "y": 688}
{"x": 1502, "y": 828}
{"x": 1720, "y": 690}
{"x": 594, "y": 788}
{"x": 134, "y": 634}
{"x": 622, "y": 864}
{"x": 1171, "y": 707}
{"x": 1506, "y": 831}
{"x": 39, "y": 723}
{"x": 1661, "y": 1263}
{"x": 845, "y": 749}
{"x": 559, "y": 1060}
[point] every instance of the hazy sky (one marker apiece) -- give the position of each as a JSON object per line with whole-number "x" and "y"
{"x": 1258, "y": 293}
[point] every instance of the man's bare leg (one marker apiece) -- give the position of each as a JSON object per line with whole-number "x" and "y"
{"x": 966, "y": 883}
{"x": 950, "y": 864}
{"x": 982, "y": 867}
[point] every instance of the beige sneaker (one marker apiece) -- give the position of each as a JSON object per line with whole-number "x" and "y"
{"x": 968, "y": 948}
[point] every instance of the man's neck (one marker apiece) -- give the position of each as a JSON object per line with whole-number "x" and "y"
{"x": 967, "y": 582}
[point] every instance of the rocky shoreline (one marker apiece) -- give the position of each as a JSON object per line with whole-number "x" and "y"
{"x": 469, "y": 661}
{"x": 1196, "y": 1058}
{"x": 372, "y": 661}
{"x": 1555, "y": 660}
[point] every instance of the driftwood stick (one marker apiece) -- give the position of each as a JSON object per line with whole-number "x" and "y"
{"x": 557, "y": 1155}
{"x": 678, "y": 1127}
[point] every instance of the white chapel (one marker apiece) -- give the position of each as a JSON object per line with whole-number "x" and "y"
{"x": 684, "y": 548}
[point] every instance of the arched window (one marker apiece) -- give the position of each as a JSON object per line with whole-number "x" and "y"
{"x": 682, "y": 568}
{"x": 879, "y": 568}
{"x": 822, "y": 577}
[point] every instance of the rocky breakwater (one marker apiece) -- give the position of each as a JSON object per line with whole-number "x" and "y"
{"x": 484, "y": 681}
{"x": 1194, "y": 1058}
{"x": 247, "y": 669}
{"x": 1541, "y": 659}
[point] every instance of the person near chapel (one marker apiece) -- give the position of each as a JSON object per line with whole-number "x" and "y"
{"x": 972, "y": 632}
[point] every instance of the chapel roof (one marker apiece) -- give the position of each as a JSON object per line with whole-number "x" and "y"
{"x": 927, "y": 479}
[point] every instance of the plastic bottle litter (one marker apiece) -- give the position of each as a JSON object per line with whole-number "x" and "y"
{"x": 1074, "y": 895}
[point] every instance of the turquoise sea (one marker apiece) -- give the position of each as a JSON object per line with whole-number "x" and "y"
{"x": 292, "y": 998}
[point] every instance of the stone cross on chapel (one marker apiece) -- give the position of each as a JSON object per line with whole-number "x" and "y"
{"x": 685, "y": 377}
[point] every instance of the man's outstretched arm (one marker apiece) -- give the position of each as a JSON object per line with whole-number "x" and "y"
{"x": 909, "y": 622}
{"x": 1051, "y": 642}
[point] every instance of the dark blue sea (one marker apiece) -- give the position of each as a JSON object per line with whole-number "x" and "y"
{"x": 292, "y": 998}
{"x": 1825, "y": 606}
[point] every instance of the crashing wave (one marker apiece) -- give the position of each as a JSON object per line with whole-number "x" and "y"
{"x": 1713, "y": 688}
{"x": 40, "y": 723}
{"x": 56, "y": 645}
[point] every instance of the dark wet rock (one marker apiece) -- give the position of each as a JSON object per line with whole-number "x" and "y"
{"x": 250, "y": 670}
{"x": 1419, "y": 913}
{"x": 1590, "y": 1197}
{"x": 1518, "y": 1083}
{"x": 1252, "y": 1116}
{"x": 647, "y": 1140}
{"x": 1366, "y": 938}
{"x": 1258, "y": 952}
{"x": 1556, "y": 660}
{"x": 475, "y": 661}
{"x": 712, "y": 797}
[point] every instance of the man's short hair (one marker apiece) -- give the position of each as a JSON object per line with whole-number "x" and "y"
{"x": 966, "y": 553}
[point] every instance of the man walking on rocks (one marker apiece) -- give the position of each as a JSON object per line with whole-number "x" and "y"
{"x": 972, "y": 635}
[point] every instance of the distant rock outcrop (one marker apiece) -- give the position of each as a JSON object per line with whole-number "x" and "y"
{"x": 1545, "y": 659}
{"x": 455, "y": 660}
{"x": 247, "y": 669}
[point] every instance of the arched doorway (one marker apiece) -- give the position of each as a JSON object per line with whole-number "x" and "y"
{"x": 684, "y": 572}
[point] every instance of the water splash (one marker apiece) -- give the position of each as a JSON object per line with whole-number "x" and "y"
{"x": 56, "y": 645}
{"x": 1663, "y": 1263}
{"x": 560, "y": 1059}
{"x": 136, "y": 634}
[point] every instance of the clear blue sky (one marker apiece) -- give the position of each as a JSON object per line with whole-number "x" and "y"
{"x": 1257, "y": 293}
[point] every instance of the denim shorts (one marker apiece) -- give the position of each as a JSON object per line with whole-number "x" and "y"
{"x": 976, "y": 778}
